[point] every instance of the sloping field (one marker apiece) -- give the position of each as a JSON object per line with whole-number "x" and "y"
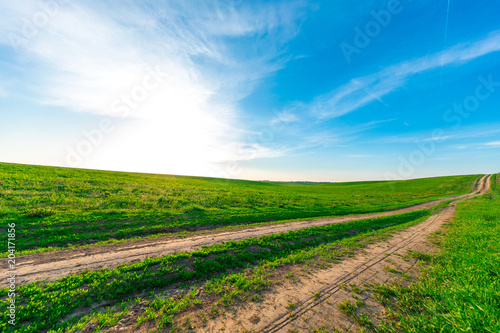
{"x": 58, "y": 207}
{"x": 199, "y": 284}
{"x": 54, "y": 265}
{"x": 343, "y": 300}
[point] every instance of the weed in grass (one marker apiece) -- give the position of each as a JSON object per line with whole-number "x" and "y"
{"x": 381, "y": 299}
{"x": 384, "y": 290}
{"x": 420, "y": 256}
{"x": 359, "y": 303}
{"x": 392, "y": 270}
{"x": 355, "y": 288}
{"x": 256, "y": 298}
{"x": 347, "y": 307}
{"x": 187, "y": 322}
{"x": 364, "y": 320}
{"x": 214, "y": 312}
{"x": 165, "y": 321}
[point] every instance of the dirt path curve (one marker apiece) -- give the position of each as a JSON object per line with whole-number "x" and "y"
{"x": 54, "y": 265}
{"x": 369, "y": 267}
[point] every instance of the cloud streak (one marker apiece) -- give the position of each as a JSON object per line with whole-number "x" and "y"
{"x": 362, "y": 91}
{"x": 466, "y": 132}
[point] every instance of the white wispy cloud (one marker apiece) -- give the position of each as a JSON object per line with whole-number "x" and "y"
{"x": 493, "y": 144}
{"x": 338, "y": 135}
{"x": 465, "y": 132}
{"x": 88, "y": 55}
{"x": 284, "y": 117}
{"x": 361, "y": 91}
{"x": 459, "y": 147}
{"x": 478, "y": 145}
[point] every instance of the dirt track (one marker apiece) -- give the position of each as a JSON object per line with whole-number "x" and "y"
{"x": 54, "y": 265}
{"x": 312, "y": 312}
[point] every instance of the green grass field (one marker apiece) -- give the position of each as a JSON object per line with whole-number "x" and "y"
{"x": 49, "y": 305}
{"x": 55, "y": 206}
{"x": 59, "y": 207}
{"x": 460, "y": 291}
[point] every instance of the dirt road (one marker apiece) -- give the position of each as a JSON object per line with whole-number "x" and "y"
{"x": 54, "y": 265}
{"x": 376, "y": 264}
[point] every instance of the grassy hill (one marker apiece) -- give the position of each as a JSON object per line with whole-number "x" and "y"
{"x": 62, "y": 207}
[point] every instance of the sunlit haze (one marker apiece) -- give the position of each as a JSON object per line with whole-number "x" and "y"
{"x": 263, "y": 90}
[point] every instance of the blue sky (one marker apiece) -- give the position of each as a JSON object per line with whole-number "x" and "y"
{"x": 278, "y": 90}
